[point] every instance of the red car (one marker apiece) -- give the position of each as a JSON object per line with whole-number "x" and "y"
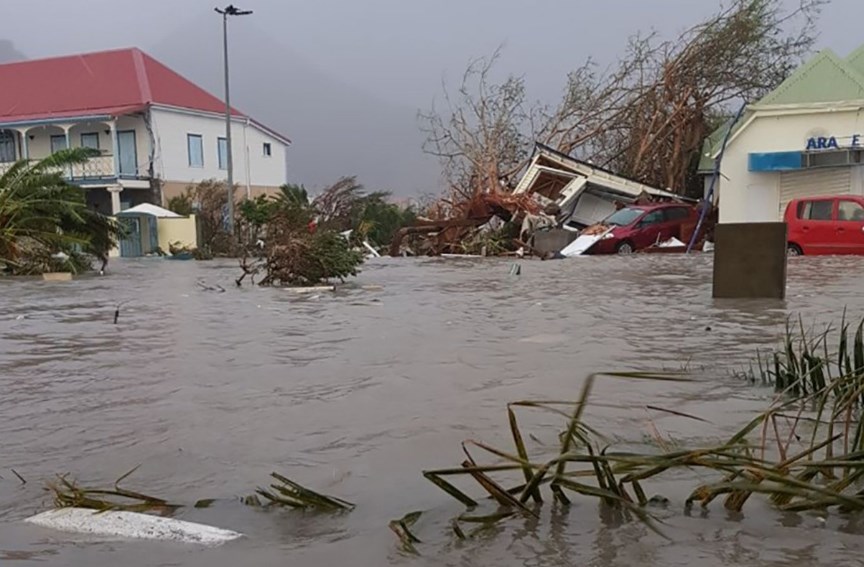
{"x": 639, "y": 226}
{"x": 825, "y": 225}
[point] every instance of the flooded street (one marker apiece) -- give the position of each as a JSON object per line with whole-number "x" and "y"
{"x": 355, "y": 394}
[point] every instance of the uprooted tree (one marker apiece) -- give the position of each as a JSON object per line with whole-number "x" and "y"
{"x": 645, "y": 117}
{"x": 305, "y": 242}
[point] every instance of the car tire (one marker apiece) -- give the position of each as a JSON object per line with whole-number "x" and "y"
{"x": 625, "y": 248}
{"x": 794, "y": 250}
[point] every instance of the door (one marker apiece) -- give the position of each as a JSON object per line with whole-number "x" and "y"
{"x": 676, "y": 217}
{"x": 127, "y": 153}
{"x": 649, "y": 229}
{"x": 814, "y": 228}
{"x": 849, "y": 227}
{"x": 130, "y": 244}
{"x": 7, "y": 146}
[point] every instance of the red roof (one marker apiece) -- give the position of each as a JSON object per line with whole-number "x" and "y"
{"x": 105, "y": 83}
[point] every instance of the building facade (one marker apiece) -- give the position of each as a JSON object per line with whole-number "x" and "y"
{"x": 806, "y": 138}
{"x": 155, "y": 131}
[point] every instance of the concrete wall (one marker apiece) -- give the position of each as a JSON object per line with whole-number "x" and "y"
{"x": 755, "y": 197}
{"x": 251, "y": 166}
{"x": 181, "y": 230}
{"x": 172, "y": 189}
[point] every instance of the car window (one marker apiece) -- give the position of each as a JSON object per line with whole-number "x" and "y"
{"x": 677, "y": 213}
{"x": 654, "y": 217}
{"x": 850, "y": 211}
{"x": 623, "y": 217}
{"x": 815, "y": 210}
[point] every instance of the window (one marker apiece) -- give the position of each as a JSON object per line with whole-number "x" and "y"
{"x": 268, "y": 150}
{"x": 58, "y": 143}
{"x": 7, "y": 146}
{"x": 816, "y": 210}
{"x": 850, "y": 211}
{"x": 677, "y": 213}
{"x": 195, "y": 147}
{"x": 623, "y": 217}
{"x": 222, "y": 151}
{"x": 90, "y": 140}
{"x": 654, "y": 217}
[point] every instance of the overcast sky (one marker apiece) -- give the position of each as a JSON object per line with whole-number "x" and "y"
{"x": 394, "y": 50}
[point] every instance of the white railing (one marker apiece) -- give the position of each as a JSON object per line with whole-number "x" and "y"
{"x": 99, "y": 167}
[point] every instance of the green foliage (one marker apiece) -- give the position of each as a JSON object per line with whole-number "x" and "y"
{"x": 377, "y": 220}
{"x": 45, "y": 224}
{"x": 182, "y": 204}
{"x": 256, "y": 212}
{"x": 293, "y": 195}
{"x": 302, "y": 258}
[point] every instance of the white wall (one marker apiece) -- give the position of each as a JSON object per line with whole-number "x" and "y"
{"x": 172, "y": 158}
{"x": 755, "y": 197}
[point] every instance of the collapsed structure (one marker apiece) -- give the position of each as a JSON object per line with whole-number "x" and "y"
{"x": 583, "y": 194}
{"x": 556, "y": 191}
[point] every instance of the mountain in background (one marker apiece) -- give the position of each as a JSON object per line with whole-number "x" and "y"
{"x": 336, "y": 129}
{"x": 8, "y": 53}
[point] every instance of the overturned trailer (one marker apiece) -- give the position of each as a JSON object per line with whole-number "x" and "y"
{"x": 581, "y": 194}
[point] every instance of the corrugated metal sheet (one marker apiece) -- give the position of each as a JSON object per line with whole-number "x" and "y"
{"x": 814, "y": 183}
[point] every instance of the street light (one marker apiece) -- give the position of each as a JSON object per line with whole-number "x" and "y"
{"x": 229, "y": 10}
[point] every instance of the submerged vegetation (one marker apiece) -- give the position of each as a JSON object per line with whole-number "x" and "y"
{"x": 804, "y": 453}
{"x": 282, "y": 492}
{"x": 45, "y": 223}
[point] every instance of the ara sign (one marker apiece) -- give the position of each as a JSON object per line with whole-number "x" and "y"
{"x": 831, "y": 143}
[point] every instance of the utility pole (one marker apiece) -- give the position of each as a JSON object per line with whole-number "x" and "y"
{"x": 229, "y": 10}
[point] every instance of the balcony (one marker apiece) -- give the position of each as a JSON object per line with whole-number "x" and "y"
{"x": 99, "y": 168}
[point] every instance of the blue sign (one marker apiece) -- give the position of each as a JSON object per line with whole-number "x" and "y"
{"x": 830, "y": 143}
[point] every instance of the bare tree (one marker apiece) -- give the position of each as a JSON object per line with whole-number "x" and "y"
{"x": 647, "y": 116}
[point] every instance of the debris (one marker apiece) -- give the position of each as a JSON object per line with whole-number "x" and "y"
{"x": 515, "y": 269}
{"x": 21, "y": 478}
{"x": 289, "y": 493}
{"x": 671, "y": 243}
{"x": 371, "y": 250}
{"x": 311, "y": 289}
{"x": 582, "y": 244}
{"x": 57, "y": 276}
{"x": 131, "y": 525}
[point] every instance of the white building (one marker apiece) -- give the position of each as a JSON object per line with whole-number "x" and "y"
{"x": 157, "y": 132}
{"x": 806, "y": 138}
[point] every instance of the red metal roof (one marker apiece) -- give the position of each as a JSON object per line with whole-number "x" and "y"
{"x": 105, "y": 83}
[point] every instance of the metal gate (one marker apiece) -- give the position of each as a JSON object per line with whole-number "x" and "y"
{"x": 813, "y": 183}
{"x": 130, "y": 244}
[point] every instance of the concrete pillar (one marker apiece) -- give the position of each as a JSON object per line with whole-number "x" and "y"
{"x": 115, "y": 142}
{"x": 115, "y": 198}
{"x": 750, "y": 260}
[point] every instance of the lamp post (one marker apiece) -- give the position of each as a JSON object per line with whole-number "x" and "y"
{"x": 229, "y": 10}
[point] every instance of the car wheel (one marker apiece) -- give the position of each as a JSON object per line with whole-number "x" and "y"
{"x": 624, "y": 248}
{"x": 794, "y": 250}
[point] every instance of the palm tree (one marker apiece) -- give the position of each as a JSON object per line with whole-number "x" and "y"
{"x": 45, "y": 223}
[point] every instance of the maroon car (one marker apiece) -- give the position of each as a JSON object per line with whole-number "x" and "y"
{"x": 639, "y": 226}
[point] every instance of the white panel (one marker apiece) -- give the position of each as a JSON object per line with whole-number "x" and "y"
{"x": 592, "y": 209}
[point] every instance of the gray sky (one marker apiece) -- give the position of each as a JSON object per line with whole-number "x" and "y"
{"x": 393, "y": 51}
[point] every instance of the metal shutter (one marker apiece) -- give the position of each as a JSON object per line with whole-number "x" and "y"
{"x": 814, "y": 183}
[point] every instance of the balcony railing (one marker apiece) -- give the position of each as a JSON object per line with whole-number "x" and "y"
{"x": 99, "y": 167}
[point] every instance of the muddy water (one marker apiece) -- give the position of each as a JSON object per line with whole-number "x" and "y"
{"x": 355, "y": 394}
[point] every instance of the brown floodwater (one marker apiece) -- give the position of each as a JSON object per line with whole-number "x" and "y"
{"x": 356, "y": 393}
